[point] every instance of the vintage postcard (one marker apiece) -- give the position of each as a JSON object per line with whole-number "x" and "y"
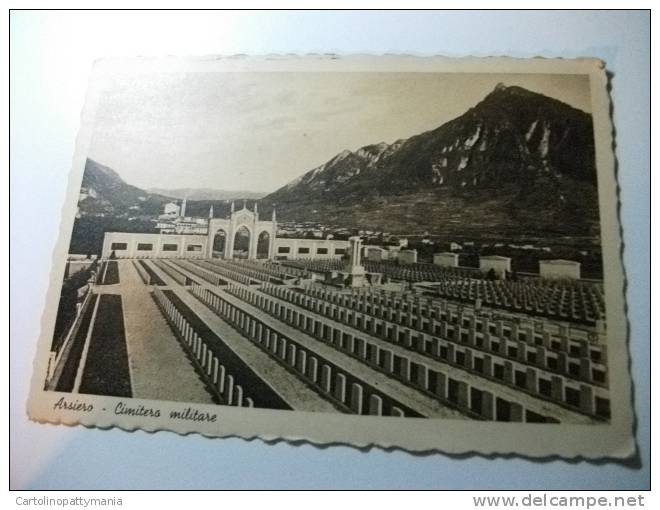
{"x": 420, "y": 253}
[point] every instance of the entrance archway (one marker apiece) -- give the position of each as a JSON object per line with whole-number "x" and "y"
{"x": 219, "y": 244}
{"x": 242, "y": 243}
{"x": 263, "y": 245}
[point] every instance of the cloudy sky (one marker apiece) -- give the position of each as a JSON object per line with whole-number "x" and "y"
{"x": 258, "y": 131}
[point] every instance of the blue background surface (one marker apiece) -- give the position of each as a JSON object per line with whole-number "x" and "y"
{"x": 51, "y": 58}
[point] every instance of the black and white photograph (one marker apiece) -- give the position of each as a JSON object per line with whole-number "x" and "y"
{"x": 411, "y": 241}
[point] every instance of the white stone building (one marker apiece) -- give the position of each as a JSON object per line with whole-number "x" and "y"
{"x": 559, "y": 268}
{"x": 500, "y": 265}
{"x": 171, "y": 210}
{"x": 407, "y": 256}
{"x": 445, "y": 259}
{"x": 376, "y": 253}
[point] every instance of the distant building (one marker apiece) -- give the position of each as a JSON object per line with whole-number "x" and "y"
{"x": 559, "y": 268}
{"x": 171, "y": 210}
{"x": 184, "y": 226}
{"x": 500, "y": 265}
{"x": 174, "y": 220}
{"x": 376, "y": 253}
{"x": 407, "y": 256}
{"x": 446, "y": 259}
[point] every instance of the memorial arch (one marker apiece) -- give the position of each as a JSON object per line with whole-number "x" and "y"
{"x": 242, "y": 244}
{"x": 245, "y": 235}
{"x": 219, "y": 244}
{"x": 263, "y": 245}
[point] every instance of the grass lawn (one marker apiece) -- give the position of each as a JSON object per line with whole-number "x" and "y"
{"x": 112, "y": 273}
{"x": 68, "y": 377}
{"x": 106, "y": 369}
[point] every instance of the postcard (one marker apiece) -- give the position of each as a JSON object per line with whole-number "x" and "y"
{"x": 392, "y": 251}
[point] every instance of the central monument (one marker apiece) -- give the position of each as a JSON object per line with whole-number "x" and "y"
{"x": 355, "y": 275}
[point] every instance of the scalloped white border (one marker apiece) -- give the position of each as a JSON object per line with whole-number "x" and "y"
{"x": 608, "y": 441}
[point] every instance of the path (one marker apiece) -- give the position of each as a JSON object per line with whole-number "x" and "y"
{"x": 159, "y": 367}
{"x": 296, "y": 393}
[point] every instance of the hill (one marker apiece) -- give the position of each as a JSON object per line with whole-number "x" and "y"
{"x": 113, "y": 197}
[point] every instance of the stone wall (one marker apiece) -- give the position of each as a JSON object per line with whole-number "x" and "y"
{"x": 289, "y": 249}
{"x": 149, "y": 246}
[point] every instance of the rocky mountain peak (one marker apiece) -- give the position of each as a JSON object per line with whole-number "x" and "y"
{"x": 513, "y": 145}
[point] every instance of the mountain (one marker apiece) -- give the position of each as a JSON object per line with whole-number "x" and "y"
{"x": 111, "y": 196}
{"x": 207, "y": 194}
{"x": 517, "y": 163}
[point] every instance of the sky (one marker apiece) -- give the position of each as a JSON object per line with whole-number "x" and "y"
{"x": 259, "y": 131}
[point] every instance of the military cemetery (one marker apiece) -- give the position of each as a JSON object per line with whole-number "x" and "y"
{"x": 186, "y": 317}
{"x": 457, "y": 274}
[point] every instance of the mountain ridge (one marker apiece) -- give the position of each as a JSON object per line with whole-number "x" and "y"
{"x": 529, "y": 157}
{"x": 207, "y": 193}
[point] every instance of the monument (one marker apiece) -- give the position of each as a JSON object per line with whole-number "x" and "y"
{"x": 357, "y": 276}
